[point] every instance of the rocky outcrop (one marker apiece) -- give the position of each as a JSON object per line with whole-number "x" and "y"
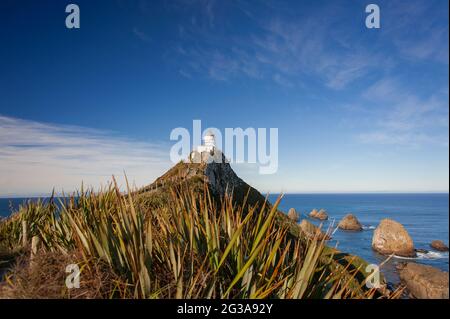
{"x": 350, "y": 222}
{"x": 424, "y": 282}
{"x": 214, "y": 171}
{"x": 312, "y": 231}
{"x": 321, "y": 214}
{"x": 390, "y": 237}
{"x": 439, "y": 245}
{"x": 293, "y": 215}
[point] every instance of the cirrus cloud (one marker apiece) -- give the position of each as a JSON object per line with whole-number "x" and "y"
{"x": 36, "y": 157}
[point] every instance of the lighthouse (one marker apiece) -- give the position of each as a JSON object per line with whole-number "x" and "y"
{"x": 209, "y": 143}
{"x": 207, "y": 152}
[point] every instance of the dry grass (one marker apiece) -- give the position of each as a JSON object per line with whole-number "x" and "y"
{"x": 45, "y": 277}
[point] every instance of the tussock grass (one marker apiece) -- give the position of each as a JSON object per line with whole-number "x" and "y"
{"x": 191, "y": 247}
{"x": 45, "y": 278}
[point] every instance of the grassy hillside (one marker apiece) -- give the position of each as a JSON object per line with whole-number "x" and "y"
{"x": 177, "y": 238}
{"x": 192, "y": 176}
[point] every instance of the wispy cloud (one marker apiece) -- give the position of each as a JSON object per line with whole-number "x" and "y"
{"x": 283, "y": 50}
{"x": 418, "y": 29}
{"x": 403, "y": 117}
{"x": 141, "y": 35}
{"x": 308, "y": 48}
{"x": 315, "y": 46}
{"x": 37, "y": 157}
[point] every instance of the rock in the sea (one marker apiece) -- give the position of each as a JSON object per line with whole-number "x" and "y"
{"x": 424, "y": 282}
{"x": 321, "y": 214}
{"x": 312, "y": 231}
{"x": 439, "y": 245}
{"x": 293, "y": 215}
{"x": 350, "y": 222}
{"x": 390, "y": 237}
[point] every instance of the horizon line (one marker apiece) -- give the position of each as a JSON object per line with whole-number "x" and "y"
{"x": 360, "y": 192}
{"x": 17, "y": 196}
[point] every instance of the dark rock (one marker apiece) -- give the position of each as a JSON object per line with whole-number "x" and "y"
{"x": 439, "y": 245}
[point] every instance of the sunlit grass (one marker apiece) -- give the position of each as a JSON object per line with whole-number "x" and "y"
{"x": 191, "y": 247}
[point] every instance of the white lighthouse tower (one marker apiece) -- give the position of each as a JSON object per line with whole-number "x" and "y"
{"x": 209, "y": 143}
{"x": 208, "y": 152}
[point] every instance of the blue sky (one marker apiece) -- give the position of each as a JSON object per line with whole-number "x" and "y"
{"x": 357, "y": 110}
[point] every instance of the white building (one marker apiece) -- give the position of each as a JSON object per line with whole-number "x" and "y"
{"x": 208, "y": 152}
{"x": 209, "y": 144}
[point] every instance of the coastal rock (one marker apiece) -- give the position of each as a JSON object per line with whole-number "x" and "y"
{"x": 212, "y": 169}
{"x": 293, "y": 215}
{"x": 312, "y": 231}
{"x": 321, "y": 214}
{"x": 350, "y": 222}
{"x": 390, "y": 237}
{"x": 424, "y": 282}
{"x": 439, "y": 245}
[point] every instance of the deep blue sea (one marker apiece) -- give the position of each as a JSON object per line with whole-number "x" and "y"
{"x": 425, "y": 217}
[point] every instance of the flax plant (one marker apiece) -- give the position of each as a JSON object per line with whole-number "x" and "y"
{"x": 191, "y": 247}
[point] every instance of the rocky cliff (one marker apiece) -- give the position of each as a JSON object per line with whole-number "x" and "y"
{"x": 215, "y": 174}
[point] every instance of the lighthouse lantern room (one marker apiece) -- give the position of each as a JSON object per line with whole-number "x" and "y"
{"x": 209, "y": 143}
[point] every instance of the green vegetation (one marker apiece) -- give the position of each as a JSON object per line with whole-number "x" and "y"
{"x": 185, "y": 245}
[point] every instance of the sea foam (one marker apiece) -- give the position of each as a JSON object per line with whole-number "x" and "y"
{"x": 427, "y": 255}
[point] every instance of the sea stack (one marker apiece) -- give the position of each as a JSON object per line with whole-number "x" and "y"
{"x": 312, "y": 231}
{"x": 390, "y": 237}
{"x": 321, "y": 214}
{"x": 293, "y": 215}
{"x": 439, "y": 245}
{"x": 350, "y": 222}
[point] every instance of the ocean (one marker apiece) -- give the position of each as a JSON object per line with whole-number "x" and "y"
{"x": 425, "y": 217}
